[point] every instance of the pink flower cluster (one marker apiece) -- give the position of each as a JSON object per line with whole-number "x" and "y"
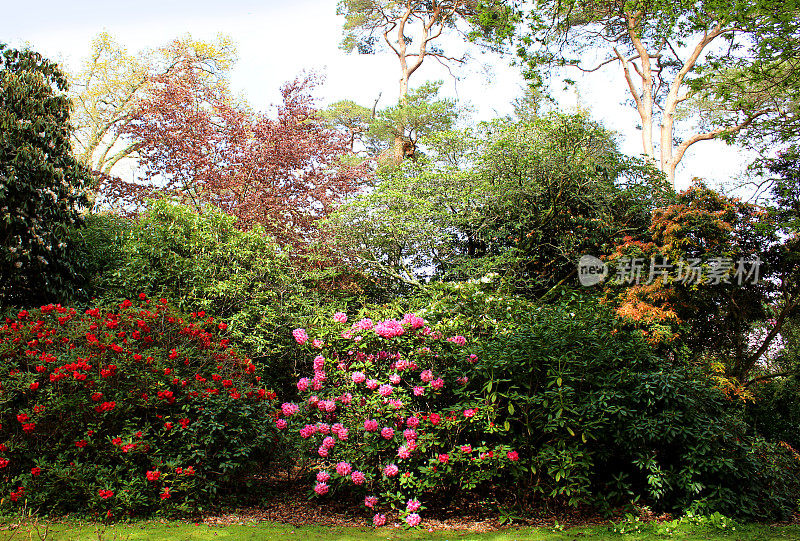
{"x": 413, "y": 321}
{"x": 389, "y": 328}
{"x": 289, "y": 409}
{"x": 340, "y": 317}
{"x": 300, "y": 336}
{"x": 457, "y": 340}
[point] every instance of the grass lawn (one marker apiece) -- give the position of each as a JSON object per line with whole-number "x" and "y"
{"x": 271, "y": 531}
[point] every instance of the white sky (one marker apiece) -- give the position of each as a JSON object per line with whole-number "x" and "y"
{"x": 277, "y": 40}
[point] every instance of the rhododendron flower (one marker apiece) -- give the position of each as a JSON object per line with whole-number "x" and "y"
{"x": 513, "y": 456}
{"x": 34, "y": 385}
{"x": 458, "y": 340}
{"x": 391, "y": 470}
{"x": 394, "y": 379}
{"x": 414, "y": 321}
{"x": 387, "y": 433}
{"x": 343, "y": 434}
{"x": 153, "y": 475}
{"x": 358, "y": 377}
{"x": 435, "y": 418}
{"x": 346, "y": 399}
{"x": 463, "y": 380}
{"x": 81, "y": 444}
{"x": 4, "y": 462}
{"x": 437, "y": 384}
{"x": 385, "y": 390}
{"x": 222, "y": 326}
{"x": 302, "y": 384}
{"x": 300, "y": 336}
{"x": 370, "y": 425}
{"x": 317, "y": 343}
{"x": 413, "y": 519}
{"x": 426, "y": 376}
{"x": 307, "y": 431}
{"x": 370, "y": 501}
{"x": 281, "y": 424}
{"x": 105, "y": 494}
{"x": 323, "y": 428}
{"x": 395, "y": 403}
{"x": 469, "y": 413}
{"x": 412, "y": 422}
{"x": 372, "y": 384}
{"x": 321, "y": 488}
{"x": 444, "y": 458}
{"x": 466, "y": 448}
{"x": 336, "y": 427}
{"x": 379, "y": 520}
{"x": 419, "y": 391}
{"x": 36, "y": 471}
{"x": 357, "y": 477}
{"x": 364, "y": 325}
{"x": 344, "y": 468}
{"x": 340, "y": 317}
{"x": 328, "y": 442}
{"x": 389, "y": 328}
{"x": 322, "y": 451}
{"x": 165, "y": 495}
{"x": 410, "y": 434}
{"x": 289, "y": 409}
{"x": 319, "y": 363}
{"x": 323, "y": 476}
{"x": 472, "y": 358}
{"x": 403, "y": 452}
{"x": 312, "y": 400}
{"x": 401, "y": 365}
{"x": 412, "y": 506}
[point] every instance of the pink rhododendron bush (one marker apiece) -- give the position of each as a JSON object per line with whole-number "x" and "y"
{"x": 124, "y": 409}
{"x": 385, "y": 418}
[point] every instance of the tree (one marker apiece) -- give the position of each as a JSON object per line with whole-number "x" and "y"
{"x": 722, "y": 282}
{"x": 41, "y": 182}
{"x": 197, "y": 143}
{"x": 108, "y": 88}
{"x": 525, "y": 198}
{"x": 730, "y": 66}
{"x": 410, "y": 30}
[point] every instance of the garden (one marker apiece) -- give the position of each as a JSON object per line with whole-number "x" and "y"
{"x": 330, "y": 320}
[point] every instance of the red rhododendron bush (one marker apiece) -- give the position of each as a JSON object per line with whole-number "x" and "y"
{"x": 385, "y": 418}
{"x": 125, "y": 409}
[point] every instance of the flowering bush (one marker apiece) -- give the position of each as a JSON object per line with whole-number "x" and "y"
{"x": 125, "y": 409}
{"x": 385, "y": 415}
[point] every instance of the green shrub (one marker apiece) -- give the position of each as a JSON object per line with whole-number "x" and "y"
{"x": 775, "y": 411}
{"x": 597, "y": 418}
{"x": 41, "y": 182}
{"x": 201, "y": 261}
{"x": 126, "y": 409}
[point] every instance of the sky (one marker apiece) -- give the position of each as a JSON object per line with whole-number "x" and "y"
{"x": 277, "y": 40}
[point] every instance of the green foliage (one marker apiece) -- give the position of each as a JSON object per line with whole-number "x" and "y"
{"x": 525, "y": 199}
{"x": 203, "y": 262}
{"x": 40, "y": 181}
{"x": 775, "y": 410}
{"x": 126, "y": 409}
{"x": 598, "y": 418}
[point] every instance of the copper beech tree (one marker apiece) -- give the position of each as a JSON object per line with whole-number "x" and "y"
{"x": 198, "y": 144}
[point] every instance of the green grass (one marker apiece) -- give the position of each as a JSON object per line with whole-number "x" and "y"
{"x": 270, "y": 531}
